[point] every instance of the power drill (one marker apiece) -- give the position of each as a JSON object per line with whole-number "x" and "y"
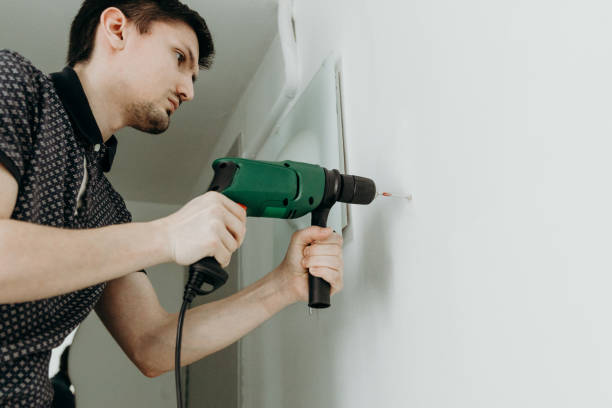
{"x": 285, "y": 189}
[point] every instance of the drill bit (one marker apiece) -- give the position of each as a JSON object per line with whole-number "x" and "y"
{"x": 394, "y": 195}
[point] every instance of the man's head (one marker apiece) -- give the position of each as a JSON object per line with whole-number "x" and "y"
{"x": 150, "y": 50}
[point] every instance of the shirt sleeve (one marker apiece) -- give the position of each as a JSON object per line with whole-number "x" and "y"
{"x": 18, "y": 112}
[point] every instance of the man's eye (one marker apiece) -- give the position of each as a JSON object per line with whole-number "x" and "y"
{"x": 180, "y": 57}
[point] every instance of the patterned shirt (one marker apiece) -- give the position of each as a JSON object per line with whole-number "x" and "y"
{"x": 48, "y": 136}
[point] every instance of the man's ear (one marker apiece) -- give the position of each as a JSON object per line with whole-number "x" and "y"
{"x": 113, "y": 25}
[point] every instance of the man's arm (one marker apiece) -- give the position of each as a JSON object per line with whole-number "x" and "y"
{"x": 38, "y": 261}
{"x": 130, "y": 310}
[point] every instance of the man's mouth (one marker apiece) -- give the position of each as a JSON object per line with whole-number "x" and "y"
{"x": 174, "y": 104}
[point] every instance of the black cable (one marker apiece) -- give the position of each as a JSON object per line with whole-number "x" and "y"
{"x": 197, "y": 276}
{"x": 177, "y": 355}
{"x": 206, "y": 270}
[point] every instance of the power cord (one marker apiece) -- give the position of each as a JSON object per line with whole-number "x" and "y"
{"x": 206, "y": 270}
{"x": 177, "y": 355}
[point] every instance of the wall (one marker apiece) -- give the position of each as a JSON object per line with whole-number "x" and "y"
{"x": 490, "y": 288}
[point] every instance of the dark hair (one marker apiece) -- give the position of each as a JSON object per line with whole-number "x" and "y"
{"x": 142, "y": 13}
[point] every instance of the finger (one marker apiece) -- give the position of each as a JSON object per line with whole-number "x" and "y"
{"x": 323, "y": 249}
{"x": 224, "y": 253}
{"x": 233, "y": 207}
{"x": 331, "y": 276}
{"x": 221, "y": 253}
{"x": 310, "y": 234}
{"x": 334, "y": 238}
{"x": 235, "y": 226}
{"x": 229, "y": 242}
{"x": 333, "y": 262}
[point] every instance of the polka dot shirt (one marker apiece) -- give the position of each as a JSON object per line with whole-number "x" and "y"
{"x": 51, "y": 144}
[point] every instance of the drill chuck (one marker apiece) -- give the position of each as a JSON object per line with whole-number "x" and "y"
{"x": 347, "y": 188}
{"x": 356, "y": 190}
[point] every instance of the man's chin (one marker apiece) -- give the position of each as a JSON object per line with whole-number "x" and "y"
{"x": 148, "y": 119}
{"x": 151, "y": 130}
{"x": 154, "y": 127}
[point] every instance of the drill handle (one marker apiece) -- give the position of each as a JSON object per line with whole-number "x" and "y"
{"x": 206, "y": 270}
{"x": 318, "y": 288}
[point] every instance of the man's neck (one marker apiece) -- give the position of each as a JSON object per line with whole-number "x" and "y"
{"x": 104, "y": 106}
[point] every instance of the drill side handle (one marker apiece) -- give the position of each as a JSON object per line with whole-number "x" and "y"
{"x": 318, "y": 288}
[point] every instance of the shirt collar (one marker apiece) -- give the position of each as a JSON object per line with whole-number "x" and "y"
{"x": 72, "y": 95}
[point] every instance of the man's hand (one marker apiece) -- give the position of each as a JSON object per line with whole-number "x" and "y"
{"x": 208, "y": 225}
{"x": 319, "y": 249}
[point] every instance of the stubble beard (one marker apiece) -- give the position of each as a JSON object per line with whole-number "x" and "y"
{"x": 145, "y": 117}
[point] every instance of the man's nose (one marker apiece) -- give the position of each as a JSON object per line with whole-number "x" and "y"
{"x": 185, "y": 89}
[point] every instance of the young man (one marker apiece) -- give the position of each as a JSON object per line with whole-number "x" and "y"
{"x": 67, "y": 243}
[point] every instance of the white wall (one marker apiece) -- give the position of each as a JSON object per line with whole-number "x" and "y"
{"x": 491, "y": 288}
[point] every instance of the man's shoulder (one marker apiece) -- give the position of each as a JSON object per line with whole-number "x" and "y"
{"x": 14, "y": 61}
{"x": 18, "y": 70}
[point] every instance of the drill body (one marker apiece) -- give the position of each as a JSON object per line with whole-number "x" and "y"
{"x": 286, "y": 189}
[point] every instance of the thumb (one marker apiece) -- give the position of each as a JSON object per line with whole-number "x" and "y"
{"x": 310, "y": 234}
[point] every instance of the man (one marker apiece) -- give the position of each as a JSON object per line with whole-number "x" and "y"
{"x": 67, "y": 243}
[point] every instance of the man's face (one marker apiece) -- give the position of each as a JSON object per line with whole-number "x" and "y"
{"x": 158, "y": 69}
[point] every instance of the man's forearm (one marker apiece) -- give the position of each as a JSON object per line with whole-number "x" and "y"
{"x": 213, "y": 326}
{"x": 38, "y": 261}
